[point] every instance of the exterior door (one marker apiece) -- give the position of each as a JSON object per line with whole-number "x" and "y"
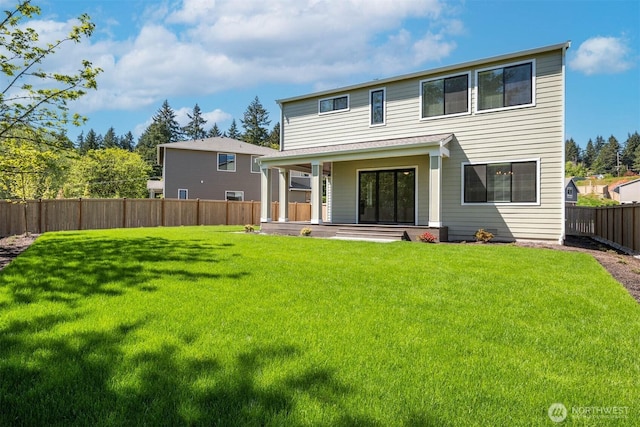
{"x": 387, "y": 196}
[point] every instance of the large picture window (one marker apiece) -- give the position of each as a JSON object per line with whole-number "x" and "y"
{"x": 329, "y": 105}
{"x": 505, "y": 87}
{"x": 226, "y": 162}
{"x": 445, "y": 96}
{"x": 508, "y": 182}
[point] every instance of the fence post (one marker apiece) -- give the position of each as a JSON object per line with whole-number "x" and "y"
{"x": 162, "y": 213}
{"x": 226, "y": 214}
{"x": 198, "y": 211}
{"x": 39, "y": 216}
{"x": 80, "y": 213}
{"x": 124, "y": 212}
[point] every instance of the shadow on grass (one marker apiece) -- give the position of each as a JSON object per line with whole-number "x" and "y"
{"x": 73, "y": 266}
{"x": 87, "y": 378}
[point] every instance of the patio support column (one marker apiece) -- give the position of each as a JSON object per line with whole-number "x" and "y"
{"x": 316, "y": 192}
{"x": 265, "y": 194}
{"x": 283, "y": 189}
{"x": 435, "y": 190}
{"x": 329, "y": 195}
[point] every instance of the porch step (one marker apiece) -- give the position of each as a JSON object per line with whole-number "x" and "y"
{"x": 374, "y": 232}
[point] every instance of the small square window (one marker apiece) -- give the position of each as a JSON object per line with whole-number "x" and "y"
{"x": 235, "y": 196}
{"x": 183, "y": 193}
{"x": 226, "y": 162}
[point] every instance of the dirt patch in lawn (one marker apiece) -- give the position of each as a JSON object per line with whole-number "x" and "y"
{"x": 624, "y": 268}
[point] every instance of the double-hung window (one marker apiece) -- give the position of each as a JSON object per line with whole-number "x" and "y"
{"x": 504, "y": 182}
{"x": 377, "y": 107}
{"x": 335, "y": 104}
{"x": 255, "y": 166}
{"x": 227, "y": 162}
{"x": 504, "y": 87}
{"x": 445, "y": 96}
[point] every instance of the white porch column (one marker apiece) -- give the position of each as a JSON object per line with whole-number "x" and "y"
{"x": 265, "y": 194}
{"x": 316, "y": 192}
{"x": 283, "y": 189}
{"x": 329, "y": 195}
{"x": 435, "y": 190}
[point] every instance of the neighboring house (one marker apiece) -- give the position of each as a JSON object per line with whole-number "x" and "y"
{"x": 570, "y": 191}
{"x": 214, "y": 169}
{"x": 627, "y": 192}
{"x": 463, "y": 147}
{"x": 155, "y": 188}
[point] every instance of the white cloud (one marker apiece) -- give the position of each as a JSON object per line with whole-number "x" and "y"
{"x": 602, "y": 55}
{"x": 205, "y": 47}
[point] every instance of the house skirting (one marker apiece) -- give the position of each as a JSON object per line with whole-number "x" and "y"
{"x": 411, "y": 232}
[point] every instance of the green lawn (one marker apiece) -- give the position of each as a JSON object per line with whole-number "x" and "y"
{"x": 200, "y": 326}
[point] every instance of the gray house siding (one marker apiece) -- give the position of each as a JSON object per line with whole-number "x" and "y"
{"x": 196, "y": 171}
{"x": 525, "y": 133}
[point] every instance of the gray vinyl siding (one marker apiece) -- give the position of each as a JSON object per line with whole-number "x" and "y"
{"x": 534, "y": 132}
{"x": 197, "y": 172}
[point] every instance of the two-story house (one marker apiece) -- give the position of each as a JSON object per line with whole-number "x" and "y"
{"x": 216, "y": 169}
{"x": 461, "y": 147}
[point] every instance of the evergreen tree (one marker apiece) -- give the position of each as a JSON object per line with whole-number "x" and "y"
{"x": 607, "y": 160}
{"x": 162, "y": 130}
{"x": 636, "y": 163}
{"x": 256, "y": 123}
{"x": 233, "y": 131}
{"x": 80, "y": 142}
{"x": 214, "y": 131}
{"x": 631, "y": 146}
{"x": 195, "y": 128}
{"x": 90, "y": 142}
{"x": 599, "y": 144}
{"x": 589, "y": 155}
{"x": 127, "y": 142}
{"x": 572, "y": 151}
{"x": 274, "y": 137}
{"x": 110, "y": 139}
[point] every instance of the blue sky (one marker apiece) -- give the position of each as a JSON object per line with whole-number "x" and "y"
{"x": 222, "y": 53}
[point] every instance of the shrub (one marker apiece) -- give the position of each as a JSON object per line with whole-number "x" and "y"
{"x": 483, "y": 235}
{"x": 427, "y": 237}
{"x": 306, "y": 231}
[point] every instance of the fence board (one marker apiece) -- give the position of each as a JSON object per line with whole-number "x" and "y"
{"x": 85, "y": 214}
{"x": 617, "y": 224}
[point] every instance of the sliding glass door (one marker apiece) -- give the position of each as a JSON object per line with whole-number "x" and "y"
{"x": 387, "y": 196}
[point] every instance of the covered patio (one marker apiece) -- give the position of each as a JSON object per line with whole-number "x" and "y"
{"x": 341, "y": 167}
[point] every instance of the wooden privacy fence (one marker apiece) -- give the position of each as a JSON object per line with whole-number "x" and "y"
{"x": 617, "y": 224}
{"x": 91, "y": 214}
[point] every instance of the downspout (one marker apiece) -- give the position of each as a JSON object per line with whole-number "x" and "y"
{"x": 564, "y": 137}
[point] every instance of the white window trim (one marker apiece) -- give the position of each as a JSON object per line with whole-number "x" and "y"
{"x": 233, "y": 191}
{"x": 253, "y": 161}
{"x": 469, "y": 89}
{"x": 235, "y": 156}
{"x": 384, "y": 107}
{"x": 489, "y": 162}
{"x": 335, "y": 111}
{"x": 186, "y": 191}
{"x": 513, "y": 107}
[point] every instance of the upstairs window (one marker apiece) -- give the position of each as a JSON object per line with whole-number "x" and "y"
{"x": 504, "y": 87}
{"x": 226, "y": 162}
{"x": 255, "y": 166}
{"x": 445, "y": 96}
{"x": 330, "y": 105}
{"x": 509, "y": 182}
{"x": 377, "y": 107}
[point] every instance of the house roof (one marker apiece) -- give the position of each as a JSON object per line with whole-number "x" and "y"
{"x": 219, "y": 144}
{"x": 470, "y": 64}
{"x": 352, "y": 151}
{"x": 622, "y": 184}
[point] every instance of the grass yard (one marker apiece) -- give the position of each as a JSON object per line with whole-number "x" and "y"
{"x": 201, "y": 326}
